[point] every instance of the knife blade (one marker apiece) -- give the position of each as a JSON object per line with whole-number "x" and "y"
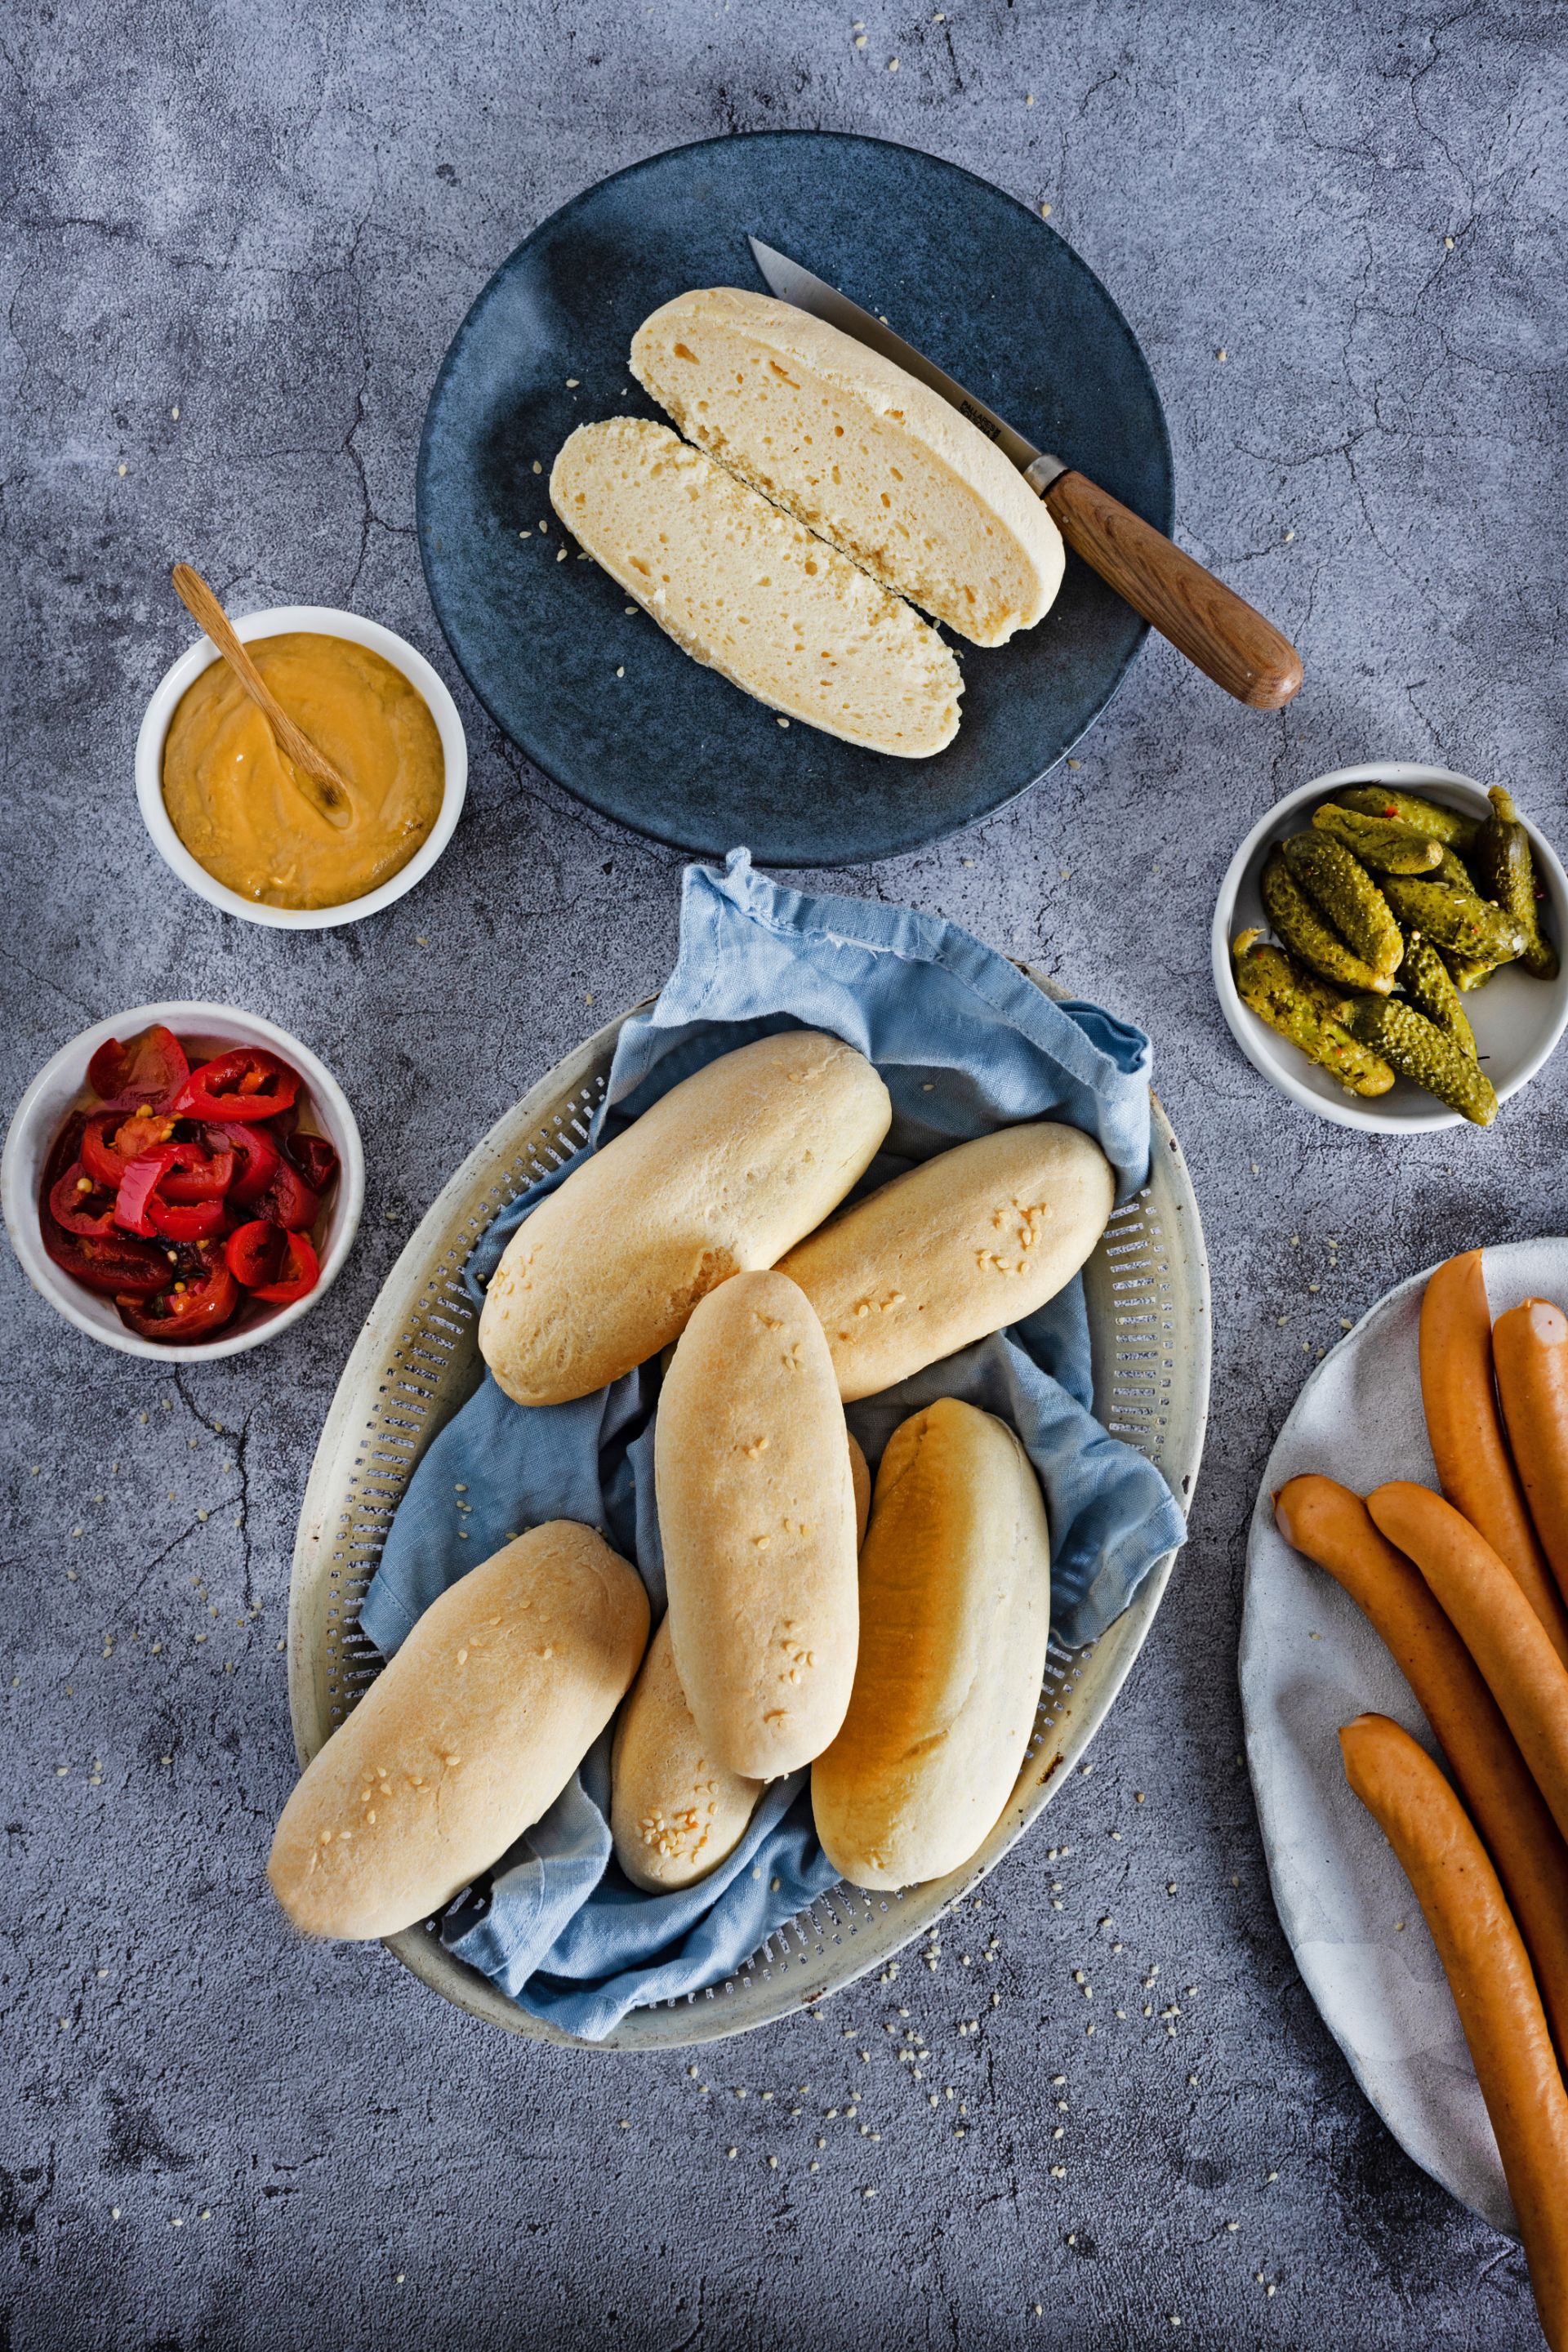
{"x": 1218, "y": 630}
{"x": 797, "y": 286}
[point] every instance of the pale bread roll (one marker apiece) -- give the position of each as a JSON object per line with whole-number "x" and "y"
{"x": 856, "y": 447}
{"x": 468, "y": 1736}
{"x": 749, "y": 592}
{"x": 961, "y": 1246}
{"x": 955, "y": 1604}
{"x": 860, "y": 1474}
{"x": 675, "y": 1814}
{"x": 757, "y": 1511}
{"x": 722, "y": 1173}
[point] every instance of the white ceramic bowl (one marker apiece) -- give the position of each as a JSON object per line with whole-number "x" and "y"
{"x": 58, "y": 1090}
{"x": 275, "y": 622}
{"x": 1518, "y": 1020}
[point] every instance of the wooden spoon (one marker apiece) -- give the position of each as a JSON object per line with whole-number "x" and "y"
{"x": 316, "y": 776}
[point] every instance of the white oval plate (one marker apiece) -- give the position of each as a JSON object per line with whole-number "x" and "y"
{"x": 1310, "y": 1662}
{"x": 1517, "y": 1020}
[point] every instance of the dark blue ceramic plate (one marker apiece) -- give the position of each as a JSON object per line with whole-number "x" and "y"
{"x": 967, "y": 274}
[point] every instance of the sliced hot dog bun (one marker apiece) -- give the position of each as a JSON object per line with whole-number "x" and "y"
{"x": 955, "y": 1603}
{"x": 749, "y": 592}
{"x": 964, "y": 1244}
{"x": 470, "y": 1734}
{"x": 722, "y": 1173}
{"x": 675, "y": 1812}
{"x": 850, "y": 444}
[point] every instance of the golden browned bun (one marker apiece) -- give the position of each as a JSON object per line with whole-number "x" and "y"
{"x": 756, "y": 1510}
{"x": 674, "y": 1813}
{"x": 470, "y": 1734}
{"x": 967, "y": 1243}
{"x": 955, "y": 1603}
{"x": 725, "y": 1172}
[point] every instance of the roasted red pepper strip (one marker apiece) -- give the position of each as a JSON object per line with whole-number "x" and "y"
{"x": 116, "y": 1266}
{"x": 149, "y": 1069}
{"x": 202, "y": 1297}
{"x": 254, "y": 1253}
{"x": 186, "y": 1221}
{"x": 289, "y": 1200}
{"x": 138, "y": 1185}
{"x": 248, "y": 1083}
{"x": 255, "y": 1153}
{"x": 300, "y": 1273}
{"x": 80, "y": 1206}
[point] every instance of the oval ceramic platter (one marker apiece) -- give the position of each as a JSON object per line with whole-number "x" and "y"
{"x": 597, "y": 695}
{"x": 1310, "y": 1661}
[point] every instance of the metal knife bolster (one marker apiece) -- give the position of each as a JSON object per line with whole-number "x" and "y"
{"x": 797, "y": 286}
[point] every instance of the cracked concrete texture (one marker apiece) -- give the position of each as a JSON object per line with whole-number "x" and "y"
{"x": 235, "y": 245}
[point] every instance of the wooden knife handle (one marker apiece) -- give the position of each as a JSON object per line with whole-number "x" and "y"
{"x": 1203, "y": 618}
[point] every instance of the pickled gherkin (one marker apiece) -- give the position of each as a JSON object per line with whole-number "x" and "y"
{"x": 1427, "y": 982}
{"x": 1506, "y": 871}
{"x": 1454, "y": 919}
{"x": 1299, "y": 1007}
{"x": 1381, "y": 843}
{"x": 1345, "y": 894}
{"x": 1468, "y": 973}
{"x": 1308, "y": 937}
{"x": 1445, "y": 824}
{"x": 1420, "y": 1052}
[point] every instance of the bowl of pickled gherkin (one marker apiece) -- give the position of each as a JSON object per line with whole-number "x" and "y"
{"x": 1388, "y": 947}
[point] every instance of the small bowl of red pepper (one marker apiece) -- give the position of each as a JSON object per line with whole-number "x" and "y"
{"x": 183, "y": 1181}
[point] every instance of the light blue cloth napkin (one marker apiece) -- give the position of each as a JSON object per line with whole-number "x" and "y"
{"x": 965, "y": 1044}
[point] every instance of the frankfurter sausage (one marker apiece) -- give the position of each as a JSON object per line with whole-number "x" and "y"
{"x": 1496, "y": 1623}
{"x": 1334, "y": 1528}
{"x": 1474, "y": 1467}
{"x": 1494, "y": 1992}
{"x": 1530, "y": 1345}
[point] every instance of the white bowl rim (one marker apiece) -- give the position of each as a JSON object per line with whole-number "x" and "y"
{"x": 274, "y": 621}
{"x": 1251, "y": 1034}
{"x": 26, "y": 1146}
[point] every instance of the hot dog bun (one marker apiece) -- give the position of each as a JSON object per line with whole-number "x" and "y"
{"x": 967, "y": 1243}
{"x": 955, "y": 1600}
{"x": 757, "y": 1511}
{"x": 722, "y": 1173}
{"x": 468, "y": 1736}
{"x": 675, "y": 1812}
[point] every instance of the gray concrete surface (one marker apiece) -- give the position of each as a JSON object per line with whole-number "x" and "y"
{"x": 235, "y": 242}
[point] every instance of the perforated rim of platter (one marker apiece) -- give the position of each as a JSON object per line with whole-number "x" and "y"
{"x": 416, "y": 1362}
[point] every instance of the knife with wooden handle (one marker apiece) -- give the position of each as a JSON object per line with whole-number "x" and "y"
{"x": 1216, "y": 629}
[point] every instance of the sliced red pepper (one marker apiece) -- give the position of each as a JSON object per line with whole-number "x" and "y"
{"x": 186, "y": 1221}
{"x": 80, "y": 1206}
{"x": 256, "y": 1157}
{"x": 202, "y": 1297}
{"x": 289, "y": 1200}
{"x": 315, "y": 1157}
{"x": 298, "y": 1275}
{"x": 248, "y": 1083}
{"x": 254, "y": 1253}
{"x": 199, "y": 1175}
{"x": 116, "y": 1266}
{"x": 99, "y": 1159}
{"x": 147, "y": 1069}
{"x": 139, "y": 1184}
